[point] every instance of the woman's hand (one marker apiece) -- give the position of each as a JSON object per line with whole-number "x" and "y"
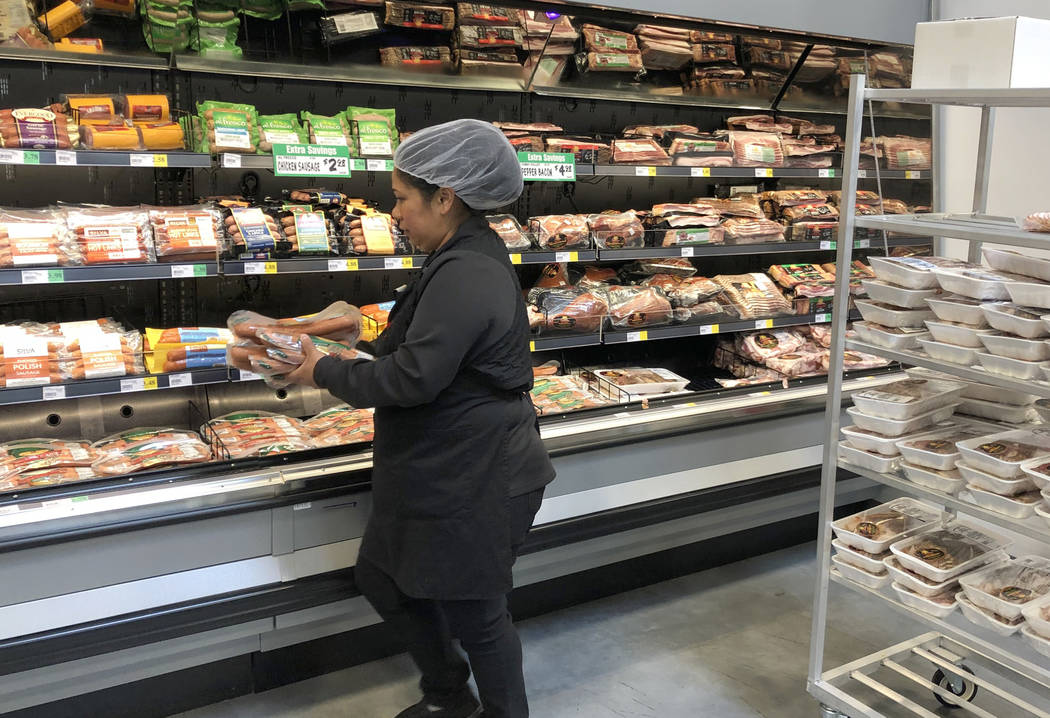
{"x": 304, "y": 375}
{"x": 357, "y": 237}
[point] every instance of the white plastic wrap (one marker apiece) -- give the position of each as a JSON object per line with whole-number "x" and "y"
{"x": 906, "y": 398}
{"x": 875, "y": 530}
{"x": 948, "y": 552}
{"x": 935, "y": 449}
{"x": 1021, "y": 506}
{"x": 996, "y": 484}
{"x": 1037, "y": 614}
{"x": 975, "y": 283}
{"x": 1006, "y": 587}
{"x": 1001, "y": 454}
{"x": 950, "y": 481}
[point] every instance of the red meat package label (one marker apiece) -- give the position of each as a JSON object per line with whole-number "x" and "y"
{"x": 25, "y": 360}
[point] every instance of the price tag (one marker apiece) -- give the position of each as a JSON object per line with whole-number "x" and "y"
{"x": 397, "y": 263}
{"x": 637, "y": 336}
{"x": 708, "y": 329}
{"x": 301, "y": 507}
{"x": 34, "y": 276}
{"x": 377, "y": 165}
{"x": 231, "y": 160}
{"x": 515, "y": 259}
{"x": 862, "y": 174}
{"x": 311, "y": 161}
{"x": 260, "y": 267}
{"x": 137, "y": 160}
{"x": 352, "y": 265}
{"x": 31, "y": 157}
{"x": 862, "y": 244}
{"x": 825, "y": 173}
{"x": 763, "y": 172}
{"x": 822, "y": 318}
{"x": 688, "y": 251}
{"x": 827, "y": 245}
{"x": 700, "y": 172}
{"x": 50, "y": 393}
{"x": 12, "y": 157}
{"x": 760, "y": 393}
{"x": 532, "y": 346}
{"x": 337, "y": 265}
{"x": 644, "y": 171}
{"x": 187, "y": 271}
{"x": 248, "y": 375}
{"x": 177, "y": 380}
{"x": 136, "y": 384}
{"x": 566, "y": 257}
{"x": 764, "y": 324}
{"x": 912, "y": 174}
{"x": 65, "y": 157}
{"x": 160, "y": 160}
{"x": 547, "y": 166}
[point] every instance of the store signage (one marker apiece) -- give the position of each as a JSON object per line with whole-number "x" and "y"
{"x": 311, "y": 161}
{"x": 547, "y": 166}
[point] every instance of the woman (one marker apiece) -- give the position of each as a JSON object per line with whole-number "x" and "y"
{"x": 459, "y": 467}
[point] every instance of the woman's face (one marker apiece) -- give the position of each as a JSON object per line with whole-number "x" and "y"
{"x": 426, "y": 220}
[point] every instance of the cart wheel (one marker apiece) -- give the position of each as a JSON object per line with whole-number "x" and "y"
{"x": 957, "y": 685}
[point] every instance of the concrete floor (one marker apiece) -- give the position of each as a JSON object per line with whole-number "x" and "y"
{"x": 731, "y": 642}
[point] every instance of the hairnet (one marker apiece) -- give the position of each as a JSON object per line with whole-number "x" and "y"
{"x": 471, "y": 157}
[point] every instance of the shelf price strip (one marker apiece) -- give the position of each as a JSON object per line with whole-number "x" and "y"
{"x": 547, "y": 166}
{"x": 311, "y": 161}
{"x": 43, "y": 276}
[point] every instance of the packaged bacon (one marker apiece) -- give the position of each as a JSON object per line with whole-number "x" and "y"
{"x": 740, "y": 230}
{"x": 182, "y": 234}
{"x": 640, "y": 150}
{"x": 482, "y": 37}
{"x": 611, "y": 62}
{"x": 508, "y": 229}
{"x": 112, "y": 235}
{"x": 561, "y": 231}
{"x": 600, "y": 39}
{"x": 677, "y": 266}
{"x": 617, "y": 230}
{"x": 469, "y": 13}
{"x": 36, "y": 238}
{"x": 420, "y": 16}
{"x": 757, "y": 149}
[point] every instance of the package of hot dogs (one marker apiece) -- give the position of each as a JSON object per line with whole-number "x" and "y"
{"x": 244, "y": 434}
{"x": 111, "y": 235}
{"x": 185, "y": 234}
{"x": 36, "y": 238}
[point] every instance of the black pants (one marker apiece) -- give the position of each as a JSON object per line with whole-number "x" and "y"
{"x": 483, "y": 627}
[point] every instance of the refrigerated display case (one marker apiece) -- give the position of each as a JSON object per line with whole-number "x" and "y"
{"x": 112, "y": 580}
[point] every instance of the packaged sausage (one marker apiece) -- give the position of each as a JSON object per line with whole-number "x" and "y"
{"x": 36, "y": 238}
{"x": 327, "y": 130}
{"x": 54, "y": 476}
{"x": 251, "y": 230}
{"x": 153, "y": 453}
{"x": 337, "y": 29}
{"x": 37, "y": 129}
{"x": 355, "y": 426}
{"x": 162, "y": 135}
{"x": 420, "y": 16}
{"x": 123, "y": 439}
{"x": 414, "y": 57}
{"x": 255, "y": 433}
{"x": 145, "y": 109}
{"x": 185, "y": 233}
{"x": 112, "y": 235}
{"x": 215, "y": 34}
{"x": 480, "y": 37}
{"x": 374, "y": 131}
{"x": 85, "y": 350}
{"x": 89, "y": 109}
{"x": 378, "y": 234}
{"x": 307, "y": 230}
{"x": 338, "y": 321}
{"x": 280, "y": 129}
{"x": 166, "y": 30}
{"x": 110, "y": 137}
{"x": 25, "y": 359}
{"x": 17, "y": 457}
{"x": 228, "y": 127}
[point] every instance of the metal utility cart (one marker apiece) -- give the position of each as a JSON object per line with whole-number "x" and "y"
{"x": 962, "y": 665}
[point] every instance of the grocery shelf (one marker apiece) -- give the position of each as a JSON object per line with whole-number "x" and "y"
{"x": 107, "y": 273}
{"x": 695, "y": 330}
{"x": 942, "y": 225}
{"x": 586, "y": 170}
{"x": 1010, "y": 651}
{"x": 976, "y": 374}
{"x": 566, "y": 341}
{"x": 1034, "y": 528}
{"x": 144, "y": 61}
{"x": 583, "y": 255}
{"x": 1018, "y": 97}
{"x": 117, "y": 385}
{"x": 305, "y": 265}
{"x": 364, "y": 74}
{"x": 104, "y": 158}
{"x": 721, "y": 250}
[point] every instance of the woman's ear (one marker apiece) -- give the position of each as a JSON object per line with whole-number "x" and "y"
{"x": 446, "y": 198}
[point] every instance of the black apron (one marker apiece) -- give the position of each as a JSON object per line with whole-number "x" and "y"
{"x": 440, "y": 523}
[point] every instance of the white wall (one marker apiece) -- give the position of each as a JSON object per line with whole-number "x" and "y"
{"x": 1020, "y": 171}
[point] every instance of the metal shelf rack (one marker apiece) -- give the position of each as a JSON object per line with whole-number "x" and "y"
{"x": 853, "y": 690}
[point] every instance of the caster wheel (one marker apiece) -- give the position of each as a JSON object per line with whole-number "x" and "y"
{"x": 956, "y": 685}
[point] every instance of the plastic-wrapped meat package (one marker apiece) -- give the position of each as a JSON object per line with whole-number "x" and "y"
{"x": 854, "y": 360}
{"x": 574, "y": 309}
{"x": 752, "y": 231}
{"x": 468, "y": 13}
{"x": 820, "y": 334}
{"x": 791, "y": 276}
{"x": 660, "y": 32}
{"x": 763, "y": 345}
{"x": 894, "y": 206}
{"x": 658, "y": 132}
{"x": 725, "y": 87}
{"x": 692, "y": 236}
{"x": 27, "y": 455}
{"x": 94, "y": 354}
{"x": 665, "y": 54}
{"x": 31, "y": 128}
{"x": 641, "y": 150}
{"x": 617, "y": 230}
{"x": 859, "y": 271}
{"x": 47, "y": 477}
{"x": 796, "y": 364}
{"x": 255, "y": 433}
{"x": 561, "y": 231}
{"x": 638, "y": 307}
{"x": 713, "y": 52}
{"x": 741, "y": 205}
{"x": 793, "y": 197}
{"x": 698, "y": 213}
{"x": 114, "y": 443}
{"x": 758, "y": 123}
{"x": 338, "y": 321}
{"x": 613, "y": 62}
{"x": 810, "y": 213}
{"x": 112, "y": 235}
{"x": 1036, "y": 222}
{"x": 691, "y": 291}
{"x": 508, "y": 229}
{"x": 863, "y": 197}
{"x": 537, "y": 24}
{"x": 341, "y": 425}
{"x": 35, "y": 238}
{"x": 559, "y": 394}
{"x": 754, "y": 295}
{"x": 153, "y": 453}
{"x": 907, "y": 153}
{"x": 420, "y": 16}
{"x": 484, "y": 37}
{"x": 807, "y": 127}
{"x": 434, "y": 58}
{"x": 757, "y": 149}
{"x": 597, "y": 277}
{"x": 585, "y": 150}
{"x": 678, "y": 266}
{"x": 715, "y": 72}
{"x": 600, "y": 39}
{"x": 700, "y": 150}
{"x": 813, "y": 231}
{"x": 185, "y": 233}
{"x": 552, "y": 276}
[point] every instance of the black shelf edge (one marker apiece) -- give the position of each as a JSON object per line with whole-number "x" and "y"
{"x": 719, "y": 250}
{"x": 108, "y": 273}
{"x": 145, "y": 159}
{"x": 321, "y": 264}
{"x": 590, "y": 170}
{"x": 116, "y": 385}
{"x": 643, "y": 334}
{"x": 531, "y": 257}
{"x": 569, "y": 341}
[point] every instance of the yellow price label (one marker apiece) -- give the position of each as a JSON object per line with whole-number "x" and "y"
{"x": 149, "y": 382}
{"x": 532, "y": 346}
{"x": 352, "y": 265}
{"x": 912, "y": 174}
{"x": 764, "y": 324}
{"x": 709, "y": 329}
{"x": 701, "y": 172}
{"x": 638, "y": 336}
{"x": 515, "y": 259}
{"x": 763, "y": 172}
{"x": 652, "y": 171}
{"x": 160, "y": 160}
{"x": 270, "y": 268}
{"x": 574, "y": 256}
{"x": 406, "y": 262}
